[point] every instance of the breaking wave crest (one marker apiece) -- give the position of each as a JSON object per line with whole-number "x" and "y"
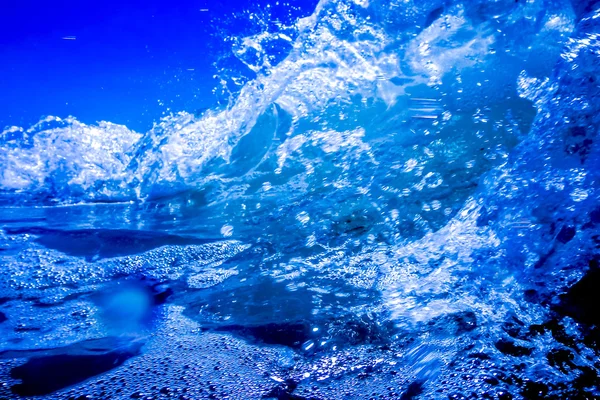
{"x": 352, "y": 65}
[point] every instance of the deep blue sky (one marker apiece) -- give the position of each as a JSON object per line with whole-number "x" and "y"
{"x": 127, "y": 56}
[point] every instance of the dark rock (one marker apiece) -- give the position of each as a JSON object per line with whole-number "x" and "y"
{"x": 581, "y": 300}
{"x": 2, "y": 317}
{"x": 509, "y": 347}
{"x": 566, "y": 234}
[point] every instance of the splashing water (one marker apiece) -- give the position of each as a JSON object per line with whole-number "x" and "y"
{"x": 401, "y": 202}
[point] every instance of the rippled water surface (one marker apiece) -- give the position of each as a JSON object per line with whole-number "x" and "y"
{"x": 395, "y": 199}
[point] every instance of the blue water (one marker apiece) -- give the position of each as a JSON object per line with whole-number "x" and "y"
{"x": 311, "y": 200}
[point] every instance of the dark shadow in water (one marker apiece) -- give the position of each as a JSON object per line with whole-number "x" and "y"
{"x": 50, "y": 370}
{"x": 94, "y": 244}
{"x": 265, "y": 311}
{"x": 292, "y": 334}
{"x": 413, "y": 391}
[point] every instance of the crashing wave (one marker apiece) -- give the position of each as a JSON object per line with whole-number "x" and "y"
{"x": 342, "y": 62}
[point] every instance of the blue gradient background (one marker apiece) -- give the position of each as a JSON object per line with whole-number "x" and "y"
{"x": 131, "y": 62}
